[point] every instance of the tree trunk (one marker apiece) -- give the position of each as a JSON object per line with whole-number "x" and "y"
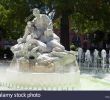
{"x": 64, "y": 31}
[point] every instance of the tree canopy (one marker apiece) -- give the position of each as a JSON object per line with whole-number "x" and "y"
{"x": 82, "y": 16}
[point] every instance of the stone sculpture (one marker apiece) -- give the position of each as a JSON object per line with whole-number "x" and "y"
{"x": 41, "y": 46}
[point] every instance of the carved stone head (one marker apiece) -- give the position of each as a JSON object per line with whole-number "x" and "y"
{"x": 36, "y": 12}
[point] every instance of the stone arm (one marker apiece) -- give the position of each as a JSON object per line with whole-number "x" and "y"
{"x": 26, "y": 33}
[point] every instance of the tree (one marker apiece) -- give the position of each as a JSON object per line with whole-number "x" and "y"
{"x": 86, "y": 16}
{"x": 12, "y": 17}
{"x": 13, "y": 14}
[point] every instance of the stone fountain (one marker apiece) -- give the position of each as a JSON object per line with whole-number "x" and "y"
{"x": 40, "y": 53}
{"x": 39, "y": 50}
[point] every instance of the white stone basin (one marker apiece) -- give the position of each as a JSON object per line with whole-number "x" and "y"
{"x": 41, "y": 81}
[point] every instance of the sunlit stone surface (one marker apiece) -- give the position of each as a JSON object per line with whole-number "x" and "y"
{"x": 39, "y": 50}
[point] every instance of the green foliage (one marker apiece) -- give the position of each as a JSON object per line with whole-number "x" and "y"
{"x": 12, "y": 15}
{"x": 82, "y": 25}
{"x": 91, "y": 16}
{"x": 86, "y": 15}
{"x": 73, "y": 47}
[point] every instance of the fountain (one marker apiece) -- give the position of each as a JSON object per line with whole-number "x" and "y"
{"x": 88, "y": 58}
{"x": 109, "y": 58}
{"x": 40, "y": 50}
{"x": 103, "y": 61}
{"x": 80, "y": 53}
{"x": 40, "y": 53}
{"x": 95, "y": 59}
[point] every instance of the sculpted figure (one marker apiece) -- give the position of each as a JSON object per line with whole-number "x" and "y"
{"x": 45, "y": 28}
{"x": 41, "y": 21}
{"x": 40, "y": 44}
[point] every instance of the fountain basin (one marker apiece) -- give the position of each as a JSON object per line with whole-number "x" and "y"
{"x": 41, "y": 81}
